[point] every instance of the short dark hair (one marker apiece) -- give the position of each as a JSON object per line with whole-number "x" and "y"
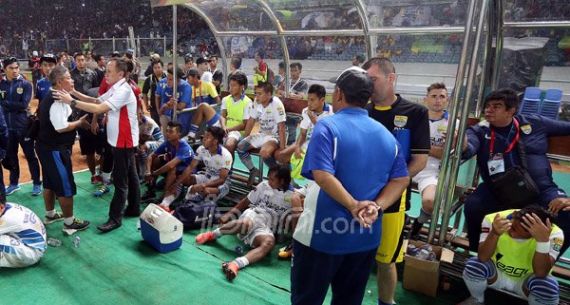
{"x": 122, "y": 65}
{"x": 385, "y": 64}
{"x": 508, "y": 96}
{"x": 436, "y": 86}
{"x": 193, "y": 73}
{"x": 218, "y": 76}
{"x": 539, "y": 211}
{"x": 283, "y": 173}
{"x": 175, "y": 125}
{"x": 318, "y": 90}
{"x": 359, "y": 57}
{"x": 76, "y": 54}
{"x": 296, "y": 64}
{"x": 266, "y": 86}
{"x": 10, "y": 60}
{"x": 240, "y": 78}
{"x": 236, "y": 62}
{"x": 179, "y": 73}
{"x": 97, "y": 57}
{"x": 282, "y": 65}
{"x": 217, "y": 132}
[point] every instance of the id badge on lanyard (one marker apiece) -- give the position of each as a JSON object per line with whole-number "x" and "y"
{"x": 496, "y": 162}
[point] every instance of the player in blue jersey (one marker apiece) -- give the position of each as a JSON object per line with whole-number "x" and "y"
{"x": 47, "y": 63}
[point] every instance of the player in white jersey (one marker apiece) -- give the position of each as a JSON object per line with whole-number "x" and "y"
{"x": 265, "y": 212}
{"x": 316, "y": 109}
{"x": 270, "y": 113}
{"x": 22, "y": 236}
{"x": 213, "y": 182}
{"x": 436, "y": 101}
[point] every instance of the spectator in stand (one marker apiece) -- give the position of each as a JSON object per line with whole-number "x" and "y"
{"x": 15, "y": 100}
{"x": 358, "y": 60}
{"x": 203, "y": 67}
{"x": 299, "y": 86}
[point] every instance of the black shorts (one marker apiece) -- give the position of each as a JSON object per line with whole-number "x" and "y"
{"x": 57, "y": 173}
{"x": 90, "y": 143}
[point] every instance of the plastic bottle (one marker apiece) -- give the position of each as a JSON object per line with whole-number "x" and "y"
{"x": 76, "y": 241}
{"x": 424, "y": 254}
{"x": 412, "y": 250}
{"x": 54, "y": 242}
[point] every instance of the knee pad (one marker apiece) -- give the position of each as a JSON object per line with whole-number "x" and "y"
{"x": 543, "y": 288}
{"x": 477, "y": 270}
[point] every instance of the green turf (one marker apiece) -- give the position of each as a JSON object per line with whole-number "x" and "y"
{"x": 119, "y": 268}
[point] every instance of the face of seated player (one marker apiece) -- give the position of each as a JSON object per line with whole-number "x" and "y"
{"x": 274, "y": 181}
{"x": 235, "y": 88}
{"x": 497, "y": 114}
{"x": 209, "y": 141}
{"x": 436, "y": 100}
{"x": 261, "y": 96}
{"x": 172, "y": 134}
{"x": 315, "y": 103}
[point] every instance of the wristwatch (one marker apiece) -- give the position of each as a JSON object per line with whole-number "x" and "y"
{"x": 73, "y": 103}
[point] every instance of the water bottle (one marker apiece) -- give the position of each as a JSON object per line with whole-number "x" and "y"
{"x": 76, "y": 241}
{"x": 54, "y": 242}
{"x": 412, "y": 250}
{"x": 423, "y": 255}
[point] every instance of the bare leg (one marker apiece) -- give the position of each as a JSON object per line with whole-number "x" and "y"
{"x": 66, "y": 204}
{"x": 263, "y": 245}
{"x": 386, "y": 279}
{"x": 49, "y": 199}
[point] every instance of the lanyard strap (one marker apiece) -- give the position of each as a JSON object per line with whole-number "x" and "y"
{"x": 513, "y": 142}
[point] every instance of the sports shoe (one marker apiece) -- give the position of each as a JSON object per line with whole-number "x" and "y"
{"x": 286, "y": 252}
{"x": 254, "y": 173}
{"x": 57, "y": 217}
{"x": 101, "y": 191}
{"x": 36, "y": 189}
{"x": 203, "y": 238}
{"x": 96, "y": 179}
{"x": 77, "y": 225}
{"x": 470, "y": 301}
{"x": 11, "y": 189}
{"x": 230, "y": 269}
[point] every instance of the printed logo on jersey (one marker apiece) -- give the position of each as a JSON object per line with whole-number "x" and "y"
{"x": 400, "y": 120}
{"x": 557, "y": 244}
{"x": 20, "y": 90}
{"x": 526, "y": 129}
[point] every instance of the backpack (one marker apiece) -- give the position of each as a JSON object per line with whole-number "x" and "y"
{"x": 197, "y": 215}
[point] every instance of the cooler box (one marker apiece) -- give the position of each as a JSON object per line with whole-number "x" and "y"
{"x": 160, "y": 229}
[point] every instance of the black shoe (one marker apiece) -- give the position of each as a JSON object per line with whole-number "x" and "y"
{"x": 415, "y": 231}
{"x": 148, "y": 195}
{"x": 132, "y": 213}
{"x": 109, "y": 226}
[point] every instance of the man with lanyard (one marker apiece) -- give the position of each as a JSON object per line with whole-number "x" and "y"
{"x": 436, "y": 102}
{"x": 299, "y": 86}
{"x": 122, "y": 134}
{"x": 409, "y": 123}
{"x": 497, "y": 142}
{"x": 47, "y": 63}
{"x": 516, "y": 252}
{"x": 149, "y": 86}
{"x": 235, "y": 111}
{"x": 183, "y": 101}
{"x": 15, "y": 96}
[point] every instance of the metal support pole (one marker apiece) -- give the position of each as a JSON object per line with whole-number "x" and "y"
{"x": 442, "y": 183}
{"x": 498, "y": 44}
{"x": 164, "y": 46}
{"x": 114, "y": 48}
{"x": 174, "y": 55}
{"x": 456, "y": 158}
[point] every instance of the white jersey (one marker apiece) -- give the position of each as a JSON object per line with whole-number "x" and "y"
{"x": 122, "y": 121}
{"x": 21, "y": 223}
{"x": 265, "y": 199}
{"x": 214, "y": 164}
{"x": 308, "y": 125}
{"x": 269, "y": 117}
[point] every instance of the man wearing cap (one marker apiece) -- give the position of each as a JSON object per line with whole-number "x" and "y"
{"x": 47, "y": 63}
{"x": 203, "y": 67}
{"x": 339, "y": 230}
{"x": 149, "y": 87}
{"x": 409, "y": 123}
{"x": 153, "y": 58}
{"x": 15, "y": 96}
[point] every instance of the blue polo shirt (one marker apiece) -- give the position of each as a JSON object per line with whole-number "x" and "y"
{"x": 363, "y": 155}
{"x": 185, "y": 96}
{"x": 42, "y": 88}
{"x": 183, "y": 152}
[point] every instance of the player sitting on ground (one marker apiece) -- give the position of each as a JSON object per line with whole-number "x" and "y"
{"x": 316, "y": 109}
{"x": 270, "y": 113}
{"x": 214, "y": 181}
{"x": 170, "y": 158}
{"x": 264, "y": 210}
{"x": 22, "y": 236}
{"x": 235, "y": 111}
{"x": 517, "y": 250}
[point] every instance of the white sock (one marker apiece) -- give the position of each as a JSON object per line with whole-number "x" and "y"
{"x": 50, "y": 213}
{"x": 476, "y": 287}
{"x": 242, "y": 262}
{"x": 106, "y": 177}
{"x": 69, "y": 220}
{"x": 217, "y": 232}
{"x": 166, "y": 201}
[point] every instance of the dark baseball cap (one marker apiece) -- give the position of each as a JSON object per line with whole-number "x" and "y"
{"x": 48, "y": 58}
{"x": 356, "y": 81}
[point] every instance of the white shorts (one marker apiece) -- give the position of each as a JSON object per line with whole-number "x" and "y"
{"x": 257, "y": 140}
{"x": 261, "y": 226}
{"x": 236, "y": 135}
{"x": 425, "y": 178}
{"x": 201, "y": 177}
{"x": 507, "y": 283}
{"x": 14, "y": 254}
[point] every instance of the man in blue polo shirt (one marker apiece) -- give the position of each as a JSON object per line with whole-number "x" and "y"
{"x": 47, "y": 63}
{"x": 337, "y": 235}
